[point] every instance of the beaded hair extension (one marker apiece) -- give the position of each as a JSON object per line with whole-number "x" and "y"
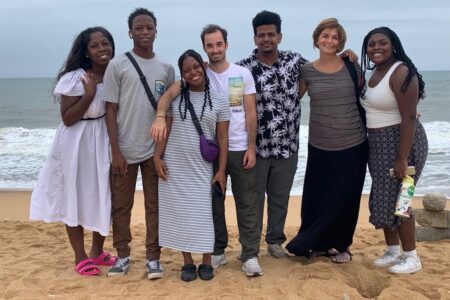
{"x": 184, "y": 94}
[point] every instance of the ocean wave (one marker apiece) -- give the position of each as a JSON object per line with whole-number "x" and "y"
{"x": 24, "y": 151}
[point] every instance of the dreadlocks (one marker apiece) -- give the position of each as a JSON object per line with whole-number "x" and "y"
{"x": 398, "y": 52}
{"x": 184, "y": 94}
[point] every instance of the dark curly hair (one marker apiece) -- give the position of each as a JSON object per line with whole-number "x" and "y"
{"x": 211, "y": 28}
{"x": 138, "y": 12}
{"x": 266, "y": 18}
{"x": 184, "y": 94}
{"x": 398, "y": 52}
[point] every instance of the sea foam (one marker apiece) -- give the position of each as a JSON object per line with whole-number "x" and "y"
{"x": 24, "y": 151}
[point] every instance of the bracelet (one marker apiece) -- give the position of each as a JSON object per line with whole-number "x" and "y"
{"x": 161, "y": 116}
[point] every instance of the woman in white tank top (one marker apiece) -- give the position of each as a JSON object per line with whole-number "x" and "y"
{"x": 396, "y": 140}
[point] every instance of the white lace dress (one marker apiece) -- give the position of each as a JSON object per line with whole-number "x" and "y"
{"x": 73, "y": 185}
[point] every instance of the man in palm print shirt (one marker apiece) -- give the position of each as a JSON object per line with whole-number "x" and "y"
{"x": 276, "y": 74}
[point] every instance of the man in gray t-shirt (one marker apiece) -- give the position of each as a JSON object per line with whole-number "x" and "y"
{"x": 129, "y": 115}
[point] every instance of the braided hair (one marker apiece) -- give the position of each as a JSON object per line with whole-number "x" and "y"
{"x": 398, "y": 52}
{"x": 184, "y": 94}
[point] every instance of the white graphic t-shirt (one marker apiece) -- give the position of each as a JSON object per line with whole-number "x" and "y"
{"x": 235, "y": 82}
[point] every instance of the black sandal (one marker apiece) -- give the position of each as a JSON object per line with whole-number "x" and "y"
{"x": 188, "y": 272}
{"x": 205, "y": 272}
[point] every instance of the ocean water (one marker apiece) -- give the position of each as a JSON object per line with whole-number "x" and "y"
{"x": 29, "y": 117}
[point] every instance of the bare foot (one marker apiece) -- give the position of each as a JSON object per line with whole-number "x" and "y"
{"x": 342, "y": 257}
{"x": 333, "y": 252}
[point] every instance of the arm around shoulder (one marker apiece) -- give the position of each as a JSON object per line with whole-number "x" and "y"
{"x": 158, "y": 130}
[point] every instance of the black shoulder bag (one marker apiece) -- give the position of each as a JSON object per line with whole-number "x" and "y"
{"x": 143, "y": 80}
{"x": 354, "y": 75}
{"x": 209, "y": 149}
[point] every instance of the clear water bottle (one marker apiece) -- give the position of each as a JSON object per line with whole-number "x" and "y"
{"x": 403, "y": 207}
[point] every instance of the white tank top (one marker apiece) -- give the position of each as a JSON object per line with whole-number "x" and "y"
{"x": 380, "y": 103}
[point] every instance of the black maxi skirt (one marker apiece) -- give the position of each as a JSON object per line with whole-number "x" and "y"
{"x": 331, "y": 196}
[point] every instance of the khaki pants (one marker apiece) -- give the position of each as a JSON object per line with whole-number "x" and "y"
{"x": 243, "y": 185}
{"x": 122, "y": 190}
{"x": 274, "y": 177}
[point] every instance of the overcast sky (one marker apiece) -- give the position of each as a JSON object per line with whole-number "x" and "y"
{"x": 36, "y": 35}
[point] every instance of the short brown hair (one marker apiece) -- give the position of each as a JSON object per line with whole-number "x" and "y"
{"x": 330, "y": 23}
{"x": 211, "y": 28}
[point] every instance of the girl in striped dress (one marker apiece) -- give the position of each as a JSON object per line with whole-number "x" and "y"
{"x": 185, "y": 208}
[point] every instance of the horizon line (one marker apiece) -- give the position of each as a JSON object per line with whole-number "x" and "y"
{"x": 46, "y": 77}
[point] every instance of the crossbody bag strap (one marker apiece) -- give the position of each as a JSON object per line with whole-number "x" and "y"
{"x": 143, "y": 80}
{"x": 354, "y": 75}
{"x": 195, "y": 119}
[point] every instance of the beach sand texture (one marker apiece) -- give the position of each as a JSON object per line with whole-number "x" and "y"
{"x": 37, "y": 263}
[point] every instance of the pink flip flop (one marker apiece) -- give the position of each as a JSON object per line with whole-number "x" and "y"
{"x": 105, "y": 259}
{"x": 87, "y": 267}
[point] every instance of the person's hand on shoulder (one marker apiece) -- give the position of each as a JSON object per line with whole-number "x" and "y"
{"x": 350, "y": 54}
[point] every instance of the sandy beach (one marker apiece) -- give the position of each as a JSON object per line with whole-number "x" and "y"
{"x": 37, "y": 263}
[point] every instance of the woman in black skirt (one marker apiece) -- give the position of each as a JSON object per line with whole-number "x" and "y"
{"x": 337, "y": 152}
{"x": 396, "y": 139}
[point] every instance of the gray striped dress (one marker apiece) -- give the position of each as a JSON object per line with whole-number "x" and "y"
{"x": 185, "y": 205}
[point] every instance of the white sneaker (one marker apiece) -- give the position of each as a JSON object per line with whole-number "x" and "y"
{"x": 387, "y": 259}
{"x": 406, "y": 265}
{"x": 252, "y": 268}
{"x": 276, "y": 250}
{"x": 218, "y": 260}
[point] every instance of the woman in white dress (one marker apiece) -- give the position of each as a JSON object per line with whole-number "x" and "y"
{"x": 73, "y": 185}
{"x": 185, "y": 207}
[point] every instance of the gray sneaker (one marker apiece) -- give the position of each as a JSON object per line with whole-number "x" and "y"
{"x": 155, "y": 269}
{"x": 277, "y": 251}
{"x": 218, "y": 260}
{"x": 252, "y": 267}
{"x": 121, "y": 267}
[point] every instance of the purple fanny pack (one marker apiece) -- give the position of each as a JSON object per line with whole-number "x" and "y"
{"x": 208, "y": 148}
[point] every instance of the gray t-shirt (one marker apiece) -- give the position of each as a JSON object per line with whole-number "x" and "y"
{"x": 135, "y": 113}
{"x": 334, "y": 122}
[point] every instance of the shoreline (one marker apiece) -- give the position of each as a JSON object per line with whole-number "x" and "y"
{"x": 14, "y": 205}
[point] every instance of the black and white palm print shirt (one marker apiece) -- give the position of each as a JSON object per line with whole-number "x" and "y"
{"x": 277, "y": 103}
